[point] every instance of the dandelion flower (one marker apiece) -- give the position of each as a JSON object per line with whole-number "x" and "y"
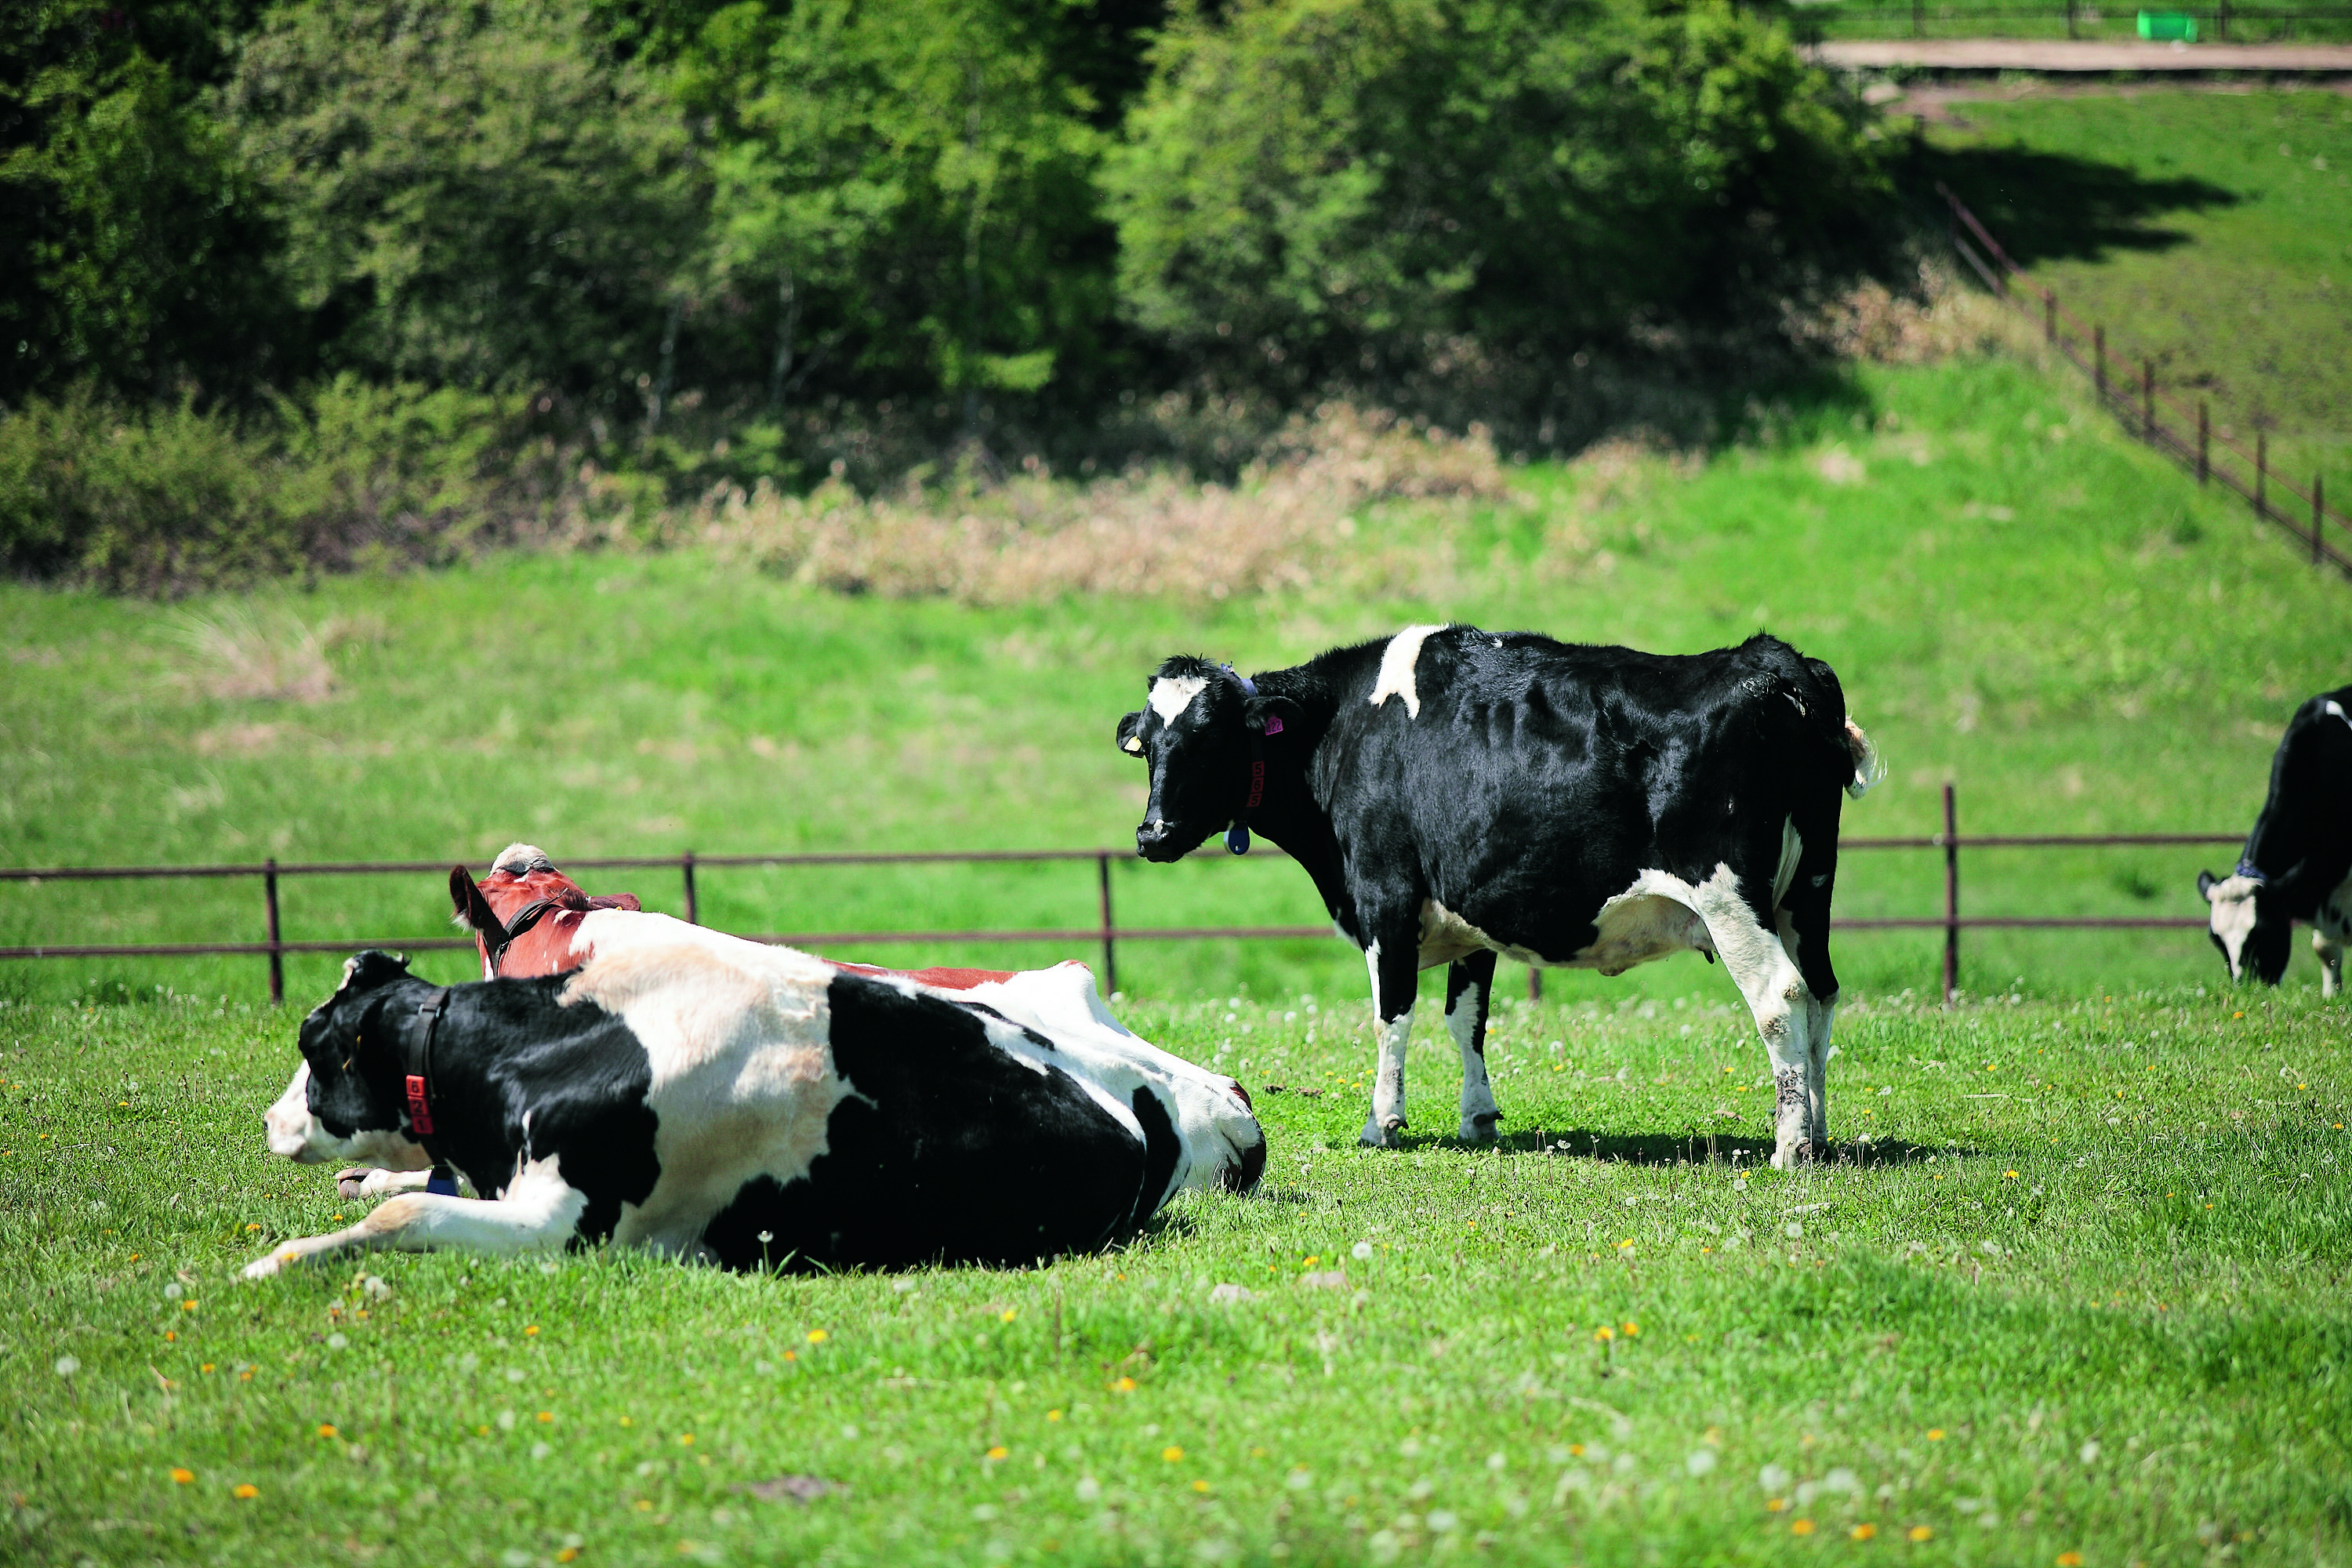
{"x": 2070, "y": 1560}
{"x": 1863, "y": 1531}
{"x": 206, "y": 1367}
{"x": 818, "y": 1336}
{"x": 1125, "y": 1385}
{"x": 1921, "y": 1532}
{"x": 998, "y": 1452}
{"x": 1200, "y": 1486}
{"x": 1934, "y": 1433}
{"x": 326, "y": 1429}
{"x": 1053, "y": 1415}
{"x": 1603, "y": 1333}
{"x": 1172, "y": 1454}
{"x": 546, "y": 1417}
{"x": 567, "y": 1554}
{"x": 2009, "y": 1175}
{"x": 1632, "y": 1329}
{"x": 1007, "y": 1315}
{"x": 183, "y": 1475}
{"x": 1800, "y": 1527}
{"x": 245, "y": 1491}
{"x": 1774, "y": 1505}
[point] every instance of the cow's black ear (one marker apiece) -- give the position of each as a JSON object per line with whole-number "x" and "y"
{"x": 2205, "y": 880}
{"x": 1272, "y": 714}
{"x": 1130, "y": 733}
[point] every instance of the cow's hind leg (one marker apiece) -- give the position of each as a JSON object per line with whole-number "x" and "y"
{"x": 1394, "y": 982}
{"x": 2329, "y": 950}
{"x": 538, "y": 1212}
{"x": 1804, "y": 925}
{"x": 1469, "y": 992}
{"x": 1778, "y": 998}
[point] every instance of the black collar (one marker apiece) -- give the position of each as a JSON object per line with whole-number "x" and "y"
{"x": 1237, "y": 836}
{"x": 416, "y": 1048}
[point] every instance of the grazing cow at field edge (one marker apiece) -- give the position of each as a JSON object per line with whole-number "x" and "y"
{"x": 1456, "y": 795}
{"x": 746, "y": 1105}
{"x": 2297, "y": 864}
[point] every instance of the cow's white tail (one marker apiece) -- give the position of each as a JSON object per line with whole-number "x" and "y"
{"x": 1869, "y": 767}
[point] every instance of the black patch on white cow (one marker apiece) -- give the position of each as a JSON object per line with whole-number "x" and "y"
{"x": 947, "y": 1149}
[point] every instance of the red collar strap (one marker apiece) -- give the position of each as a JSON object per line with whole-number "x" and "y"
{"x": 419, "y": 1076}
{"x": 1237, "y": 836}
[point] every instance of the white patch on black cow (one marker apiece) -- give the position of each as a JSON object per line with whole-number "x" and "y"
{"x": 2232, "y": 919}
{"x": 1397, "y": 661}
{"x": 1170, "y": 695}
{"x": 1388, "y": 1073}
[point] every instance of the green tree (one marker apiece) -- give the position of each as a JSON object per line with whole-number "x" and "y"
{"x": 132, "y": 250}
{"x": 480, "y": 196}
{"x": 1336, "y": 183}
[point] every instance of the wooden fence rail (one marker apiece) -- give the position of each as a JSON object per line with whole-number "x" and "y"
{"x": 1105, "y": 931}
{"x": 2137, "y": 401}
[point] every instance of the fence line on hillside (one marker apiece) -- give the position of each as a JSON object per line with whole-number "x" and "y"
{"x": 2193, "y": 443}
{"x": 1106, "y": 930}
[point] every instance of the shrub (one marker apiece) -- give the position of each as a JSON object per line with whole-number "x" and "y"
{"x": 1314, "y": 189}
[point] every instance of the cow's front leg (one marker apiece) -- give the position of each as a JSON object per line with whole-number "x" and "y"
{"x": 371, "y": 1182}
{"x": 1782, "y": 1005}
{"x": 1395, "y": 976}
{"x": 2329, "y": 950}
{"x": 1469, "y": 992}
{"x": 538, "y": 1212}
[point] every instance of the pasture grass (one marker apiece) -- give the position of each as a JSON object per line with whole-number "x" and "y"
{"x": 2205, "y": 229}
{"x": 2017, "y": 596}
{"x": 2083, "y": 1302}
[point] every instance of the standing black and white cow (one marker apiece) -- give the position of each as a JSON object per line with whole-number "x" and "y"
{"x": 1456, "y": 794}
{"x": 714, "y": 1098}
{"x": 2297, "y": 864}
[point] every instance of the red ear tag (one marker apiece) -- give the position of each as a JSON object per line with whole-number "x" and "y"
{"x": 1273, "y": 724}
{"x": 419, "y": 1117}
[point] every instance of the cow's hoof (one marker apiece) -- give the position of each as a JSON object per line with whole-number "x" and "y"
{"x": 1480, "y": 1129}
{"x": 1382, "y": 1133}
{"x": 353, "y": 1183}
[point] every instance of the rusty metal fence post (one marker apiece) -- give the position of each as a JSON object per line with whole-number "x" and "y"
{"x": 270, "y": 903}
{"x": 2099, "y": 362}
{"x": 2050, "y": 315}
{"x": 2147, "y": 401}
{"x": 1109, "y": 931}
{"x": 686, "y": 872}
{"x": 1951, "y": 899}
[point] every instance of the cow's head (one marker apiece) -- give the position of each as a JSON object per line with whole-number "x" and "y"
{"x": 2247, "y": 925}
{"x": 1195, "y": 730}
{"x": 344, "y": 1102}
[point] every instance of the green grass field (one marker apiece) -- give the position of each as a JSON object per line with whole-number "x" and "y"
{"x": 2207, "y": 230}
{"x": 2087, "y": 1298}
{"x": 2083, "y": 1302}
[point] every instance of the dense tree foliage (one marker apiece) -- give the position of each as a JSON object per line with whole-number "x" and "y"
{"x": 701, "y": 240}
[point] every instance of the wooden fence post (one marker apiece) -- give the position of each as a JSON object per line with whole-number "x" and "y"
{"x": 1951, "y": 899}
{"x": 2318, "y": 516}
{"x": 2070, "y": 18}
{"x": 1918, "y": 18}
{"x": 2221, "y": 22}
{"x": 2204, "y": 438}
{"x": 686, "y": 872}
{"x": 2262, "y": 473}
{"x": 2147, "y": 401}
{"x": 269, "y": 903}
{"x": 1534, "y": 984}
{"x": 2099, "y": 362}
{"x": 2050, "y": 315}
{"x": 1111, "y": 955}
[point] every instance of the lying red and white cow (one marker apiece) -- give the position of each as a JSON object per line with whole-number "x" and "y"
{"x": 745, "y": 1105}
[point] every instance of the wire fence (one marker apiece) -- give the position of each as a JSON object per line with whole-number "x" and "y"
{"x": 2156, "y": 415}
{"x": 1106, "y": 931}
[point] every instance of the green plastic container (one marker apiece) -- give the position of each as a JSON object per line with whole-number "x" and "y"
{"x": 2163, "y": 25}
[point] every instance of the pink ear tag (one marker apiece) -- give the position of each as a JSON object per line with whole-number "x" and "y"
{"x": 1273, "y": 724}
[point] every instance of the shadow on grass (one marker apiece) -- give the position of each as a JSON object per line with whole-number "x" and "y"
{"x": 2051, "y": 206}
{"x": 1699, "y": 1149}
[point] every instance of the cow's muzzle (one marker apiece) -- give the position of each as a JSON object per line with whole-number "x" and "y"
{"x": 1156, "y": 840}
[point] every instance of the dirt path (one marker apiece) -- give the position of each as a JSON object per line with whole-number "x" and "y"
{"x": 2062, "y": 55}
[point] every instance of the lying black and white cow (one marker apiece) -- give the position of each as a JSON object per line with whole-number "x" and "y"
{"x": 2297, "y": 864}
{"x": 1456, "y": 795}
{"x": 714, "y": 1098}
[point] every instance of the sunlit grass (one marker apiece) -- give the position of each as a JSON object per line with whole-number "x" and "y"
{"x": 2087, "y": 1296}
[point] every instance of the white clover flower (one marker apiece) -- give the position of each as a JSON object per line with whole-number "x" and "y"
{"x": 337, "y": 1342}
{"x": 1773, "y": 1478}
{"x": 67, "y": 1366}
{"x": 1443, "y": 1521}
{"x": 1088, "y": 1489}
{"x": 1701, "y": 1461}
